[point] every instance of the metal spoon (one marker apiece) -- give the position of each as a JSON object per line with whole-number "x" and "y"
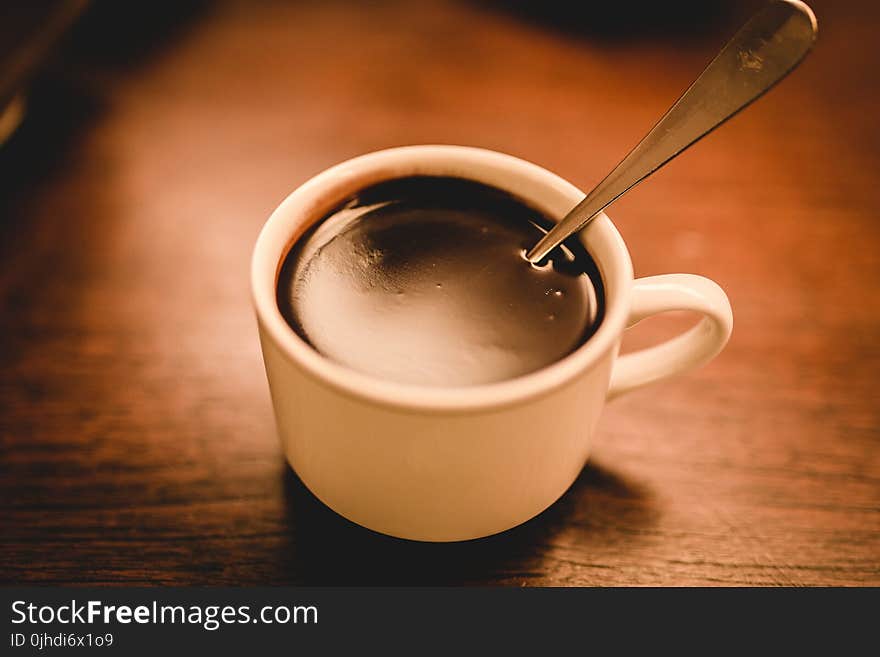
{"x": 765, "y": 49}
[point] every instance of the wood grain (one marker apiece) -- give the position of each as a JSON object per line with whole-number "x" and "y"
{"x": 136, "y": 439}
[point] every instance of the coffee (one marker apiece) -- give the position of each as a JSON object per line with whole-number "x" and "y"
{"x": 423, "y": 280}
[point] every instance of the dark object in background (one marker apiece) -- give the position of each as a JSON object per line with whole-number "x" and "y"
{"x": 114, "y": 36}
{"x": 28, "y": 32}
{"x": 63, "y": 42}
{"x": 636, "y": 19}
{"x": 64, "y": 80}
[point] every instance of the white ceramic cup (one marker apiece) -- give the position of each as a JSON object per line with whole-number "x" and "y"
{"x": 447, "y": 464}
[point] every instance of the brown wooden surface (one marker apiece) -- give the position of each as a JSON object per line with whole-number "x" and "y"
{"x": 137, "y": 439}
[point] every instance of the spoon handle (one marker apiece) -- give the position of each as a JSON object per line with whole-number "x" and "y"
{"x": 764, "y": 50}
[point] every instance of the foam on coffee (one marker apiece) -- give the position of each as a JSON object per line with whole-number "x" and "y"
{"x": 423, "y": 280}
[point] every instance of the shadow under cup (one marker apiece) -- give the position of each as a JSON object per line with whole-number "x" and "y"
{"x": 439, "y": 463}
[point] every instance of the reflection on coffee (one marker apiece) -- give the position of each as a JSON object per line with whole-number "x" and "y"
{"x": 423, "y": 280}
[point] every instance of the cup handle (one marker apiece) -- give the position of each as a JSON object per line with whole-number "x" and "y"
{"x": 657, "y": 294}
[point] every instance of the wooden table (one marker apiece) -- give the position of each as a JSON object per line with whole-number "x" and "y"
{"x": 137, "y": 439}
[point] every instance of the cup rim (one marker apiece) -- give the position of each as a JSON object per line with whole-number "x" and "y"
{"x": 545, "y": 190}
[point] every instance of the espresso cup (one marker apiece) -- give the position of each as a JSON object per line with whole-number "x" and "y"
{"x": 448, "y": 464}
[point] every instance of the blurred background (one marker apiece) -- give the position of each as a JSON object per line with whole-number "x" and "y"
{"x": 144, "y": 144}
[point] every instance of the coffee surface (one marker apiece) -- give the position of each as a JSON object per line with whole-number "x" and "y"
{"x": 423, "y": 280}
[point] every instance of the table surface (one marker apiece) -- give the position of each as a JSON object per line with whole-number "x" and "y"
{"x": 137, "y": 443}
